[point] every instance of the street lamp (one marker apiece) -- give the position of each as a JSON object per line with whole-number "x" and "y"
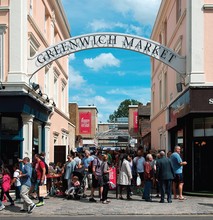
{"x": 53, "y": 103}
{"x": 47, "y": 98}
{"x": 1, "y": 86}
{"x": 35, "y": 86}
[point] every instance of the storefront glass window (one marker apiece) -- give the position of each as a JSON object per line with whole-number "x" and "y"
{"x": 198, "y": 127}
{"x": 9, "y": 126}
{"x": 209, "y": 126}
{"x": 203, "y": 127}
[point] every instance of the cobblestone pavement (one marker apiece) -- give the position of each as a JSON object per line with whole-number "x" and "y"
{"x": 55, "y": 206}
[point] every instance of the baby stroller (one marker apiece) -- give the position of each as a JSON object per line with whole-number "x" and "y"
{"x": 78, "y": 191}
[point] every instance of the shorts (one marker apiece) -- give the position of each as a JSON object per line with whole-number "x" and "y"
{"x": 97, "y": 182}
{"x": 178, "y": 178}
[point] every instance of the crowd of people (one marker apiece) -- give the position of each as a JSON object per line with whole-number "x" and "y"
{"x": 134, "y": 170}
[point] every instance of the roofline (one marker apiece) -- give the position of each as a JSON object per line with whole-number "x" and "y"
{"x": 133, "y": 106}
{"x": 61, "y": 8}
{"x": 92, "y": 106}
{"x": 163, "y": 2}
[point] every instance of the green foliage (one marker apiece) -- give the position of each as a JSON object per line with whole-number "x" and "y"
{"x": 123, "y": 109}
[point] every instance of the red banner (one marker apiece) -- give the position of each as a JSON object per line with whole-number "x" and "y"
{"x": 85, "y": 122}
{"x": 135, "y": 121}
{"x": 112, "y": 178}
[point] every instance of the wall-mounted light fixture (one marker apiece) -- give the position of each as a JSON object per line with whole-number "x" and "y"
{"x": 1, "y": 86}
{"x": 35, "y": 86}
{"x": 40, "y": 92}
{"x": 179, "y": 87}
{"x": 52, "y": 102}
{"x": 47, "y": 98}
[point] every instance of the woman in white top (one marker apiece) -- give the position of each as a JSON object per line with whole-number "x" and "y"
{"x": 125, "y": 176}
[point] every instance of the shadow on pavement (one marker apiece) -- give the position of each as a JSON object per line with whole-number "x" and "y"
{"x": 12, "y": 208}
{"x": 206, "y": 204}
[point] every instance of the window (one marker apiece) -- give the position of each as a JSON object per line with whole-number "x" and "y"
{"x": 45, "y": 23}
{"x": 9, "y": 126}
{"x": 177, "y": 49}
{"x": 52, "y": 28}
{"x": 2, "y": 32}
{"x": 64, "y": 139}
{"x": 63, "y": 96}
{"x": 33, "y": 45}
{"x": 55, "y": 137}
{"x": 165, "y": 88}
{"x": 203, "y": 127}
{"x": 55, "y": 95}
{"x": 161, "y": 141}
{"x": 209, "y": 126}
{"x": 153, "y": 103}
{"x": 153, "y": 65}
{"x": 46, "y": 81}
{"x": 160, "y": 94}
{"x": 160, "y": 38}
{"x": 178, "y": 9}
{"x": 31, "y": 8}
{"x": 52, "y": 31}
{"x": 165, "y": 32}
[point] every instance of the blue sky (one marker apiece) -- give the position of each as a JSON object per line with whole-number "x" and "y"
{"x": 106, "y": 77}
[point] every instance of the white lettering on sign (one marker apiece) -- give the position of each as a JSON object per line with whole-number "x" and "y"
{"x": 108, "y": 40}
{"x": 85, "y": 123}
{"x": 211, "y": 101}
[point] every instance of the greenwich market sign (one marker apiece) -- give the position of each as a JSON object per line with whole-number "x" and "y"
{"x": 108, "y": 40}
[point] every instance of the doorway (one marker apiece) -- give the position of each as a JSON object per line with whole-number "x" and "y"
{"x": 59, "y": 153}
{"x": 10, "y": 151}
{"x": 203, "y": 163}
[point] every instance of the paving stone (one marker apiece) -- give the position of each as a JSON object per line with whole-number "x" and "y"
{"x": 61, "y": 207}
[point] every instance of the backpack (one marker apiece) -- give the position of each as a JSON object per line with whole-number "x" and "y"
{"x": 91, "y": 165}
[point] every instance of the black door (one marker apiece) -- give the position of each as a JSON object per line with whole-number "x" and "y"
{"x": 203, "y": 164}
{"x": 59, "y": 153}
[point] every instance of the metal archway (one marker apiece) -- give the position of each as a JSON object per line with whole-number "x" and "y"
{"x": 108, "y": 40}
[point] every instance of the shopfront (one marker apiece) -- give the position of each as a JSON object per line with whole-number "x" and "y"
{"x": 22, "y": 126}
{"x": 191, "y": 126}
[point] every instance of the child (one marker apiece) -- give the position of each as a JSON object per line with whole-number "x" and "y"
{"x": 74, "y": 184}
{"x": 6, "y": 180}
{"x": 16, "y": 181}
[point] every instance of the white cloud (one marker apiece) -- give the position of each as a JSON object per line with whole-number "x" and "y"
{"x": 144, "y": 11}
{"x": 138, "y": 93}
{"x": 117, "y": 92}
{"x": 99, "y": 25}
{"x": 75, "y": 79}
{"x": 86, "y": 90}
{"x": 102, "y": 25}
{"x": 72, "y": 56}
{"x": 121, "y": 73}
{"x": 101, "y": 61}
{"x": 100, "y": 100}
{"x": 89, "y": 99}
{"x": 75, "y": 98}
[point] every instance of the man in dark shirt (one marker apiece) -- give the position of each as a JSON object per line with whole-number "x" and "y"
{"x": 165, "y": 175}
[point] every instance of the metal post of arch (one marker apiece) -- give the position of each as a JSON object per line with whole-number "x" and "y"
{"x": 108, "y": 40}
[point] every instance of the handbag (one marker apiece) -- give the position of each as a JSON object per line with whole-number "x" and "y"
{"x": 138, "y": 181}
{"x": 42, "y": 191}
